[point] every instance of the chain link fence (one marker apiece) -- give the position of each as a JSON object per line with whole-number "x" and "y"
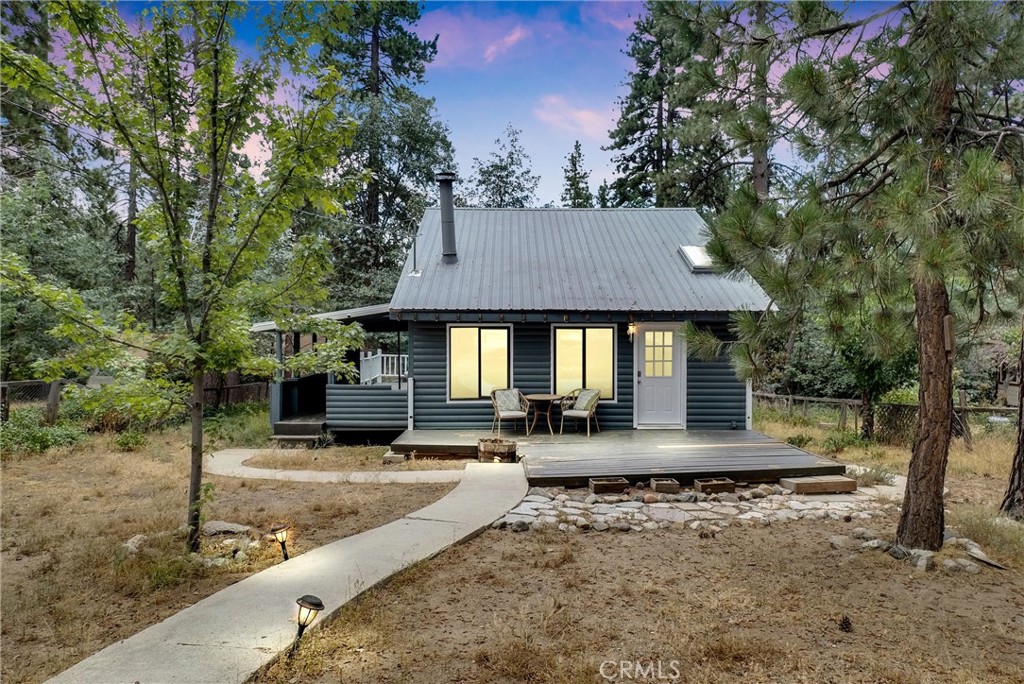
{"x": 26, "y": 391}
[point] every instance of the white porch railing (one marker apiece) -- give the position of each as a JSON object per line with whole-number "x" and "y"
{"x": 377, "y": 367}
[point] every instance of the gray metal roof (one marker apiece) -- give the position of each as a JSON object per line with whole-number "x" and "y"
{"x": 568, "y": 260}
{"x": 357, "y": 314}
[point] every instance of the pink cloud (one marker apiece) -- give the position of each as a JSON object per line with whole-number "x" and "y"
{"x": 619, "y": 15}
{"x": 556, "y": 111}
{"x": 471, "y": 35}
{"x": 506, "y": 43}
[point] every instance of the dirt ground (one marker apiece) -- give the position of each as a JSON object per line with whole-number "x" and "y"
{"x": 346, "y": 458}
{"x": 754, "y": 604}
{"x": 68, "y": 586}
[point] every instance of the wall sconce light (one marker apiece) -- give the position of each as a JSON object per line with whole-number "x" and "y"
{"x": 631, "y": 330}
{"x": 280, "y": 533}
{"x": 309, "y": 607}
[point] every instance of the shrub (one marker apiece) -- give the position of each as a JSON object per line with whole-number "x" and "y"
{"x": 24, "y": 432}
{"x": 839, "y": 441}
{"x": 875, "y": 476}
{"x": 239, "y": 425}
{"x": 130, "y": 441}
{"x": 901, "y": 395}
{"x": 134, "y": 404}
{"x": 800, "y": 440}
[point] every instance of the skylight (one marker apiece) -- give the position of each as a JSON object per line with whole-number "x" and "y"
{"x": 696, "y": 258}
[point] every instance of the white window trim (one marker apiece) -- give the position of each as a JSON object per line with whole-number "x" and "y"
{"x": 448, "y": 361}
{"x": 615, "y": 355}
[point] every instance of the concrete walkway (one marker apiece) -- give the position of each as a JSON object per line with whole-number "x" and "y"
{"x": 229, "y": 635}
{"x": 228, "y": 462}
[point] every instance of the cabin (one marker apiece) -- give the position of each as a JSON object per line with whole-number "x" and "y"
{"x": 547, "y": 301}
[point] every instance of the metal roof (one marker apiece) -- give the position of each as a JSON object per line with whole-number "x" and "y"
{"x": 624, "y": 260}
{"x": 358, "y": 314}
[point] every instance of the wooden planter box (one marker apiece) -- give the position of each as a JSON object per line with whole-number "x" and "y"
{"x": 608, "y": 485}
{"x": 665, "y": 485}
{"x": 714, "y": 485}
{"x": 496, "y": 449}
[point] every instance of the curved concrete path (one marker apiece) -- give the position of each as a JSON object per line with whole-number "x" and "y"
{"x": 229, "y": 462}
{"x": 226, "y": 637}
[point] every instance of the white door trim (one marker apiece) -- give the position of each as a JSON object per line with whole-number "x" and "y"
{"x": 679, "y": 351}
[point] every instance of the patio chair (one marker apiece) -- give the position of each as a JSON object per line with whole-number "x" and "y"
{"x": 509, "y": 404}
{"x": 580, "y": 403}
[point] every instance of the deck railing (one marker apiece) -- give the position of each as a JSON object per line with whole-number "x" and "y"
{"x": 376, "y": 367}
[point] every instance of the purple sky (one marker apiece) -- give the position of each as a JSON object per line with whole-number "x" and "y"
{"x": 552, "y": 69}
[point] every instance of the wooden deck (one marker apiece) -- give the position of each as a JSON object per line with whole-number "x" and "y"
{"x": 571, "y": 460}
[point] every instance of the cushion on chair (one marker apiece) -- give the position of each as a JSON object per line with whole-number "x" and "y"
{"x": 507, "y": 401}
{"x": 586, "y": 400}
{"x": 512, "y": 415}
{"x": 573, "y": 413}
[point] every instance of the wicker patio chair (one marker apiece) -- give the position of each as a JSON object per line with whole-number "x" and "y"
{"x": 580, "y": 403}
{"x": 509, "y": 404}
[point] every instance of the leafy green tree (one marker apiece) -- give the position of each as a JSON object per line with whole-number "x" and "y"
{"x": 576, "y": 192}
{"x": 215, "y": 223}
{"x": 505, "y": 179}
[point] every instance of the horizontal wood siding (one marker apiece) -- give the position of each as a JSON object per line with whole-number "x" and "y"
{"x": 715, "y": 398}
{"x": 531, "y": 373}
{"x": 366, "y": 407}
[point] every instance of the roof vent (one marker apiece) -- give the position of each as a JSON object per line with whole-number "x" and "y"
{"x": 696, "y": 257}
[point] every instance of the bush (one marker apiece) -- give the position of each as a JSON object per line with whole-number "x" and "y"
{"x": 137, "y": 404}
{"x": 130, "y": 441}
{"x": 901, "y": 395}
{"x": 800, "y": 441}
{"x": 239, "y": 425}
{"x": 838, "y": 441}
{"x": 24, "y": 432}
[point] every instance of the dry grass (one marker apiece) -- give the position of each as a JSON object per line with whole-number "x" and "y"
{"x": 754, "y": 605}
{"x": 66, "y": 514}
{"x": 344, "y": 459}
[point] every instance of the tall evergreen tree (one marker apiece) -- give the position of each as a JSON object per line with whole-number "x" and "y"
{"x": 505, "y": 180}
{"x": 576, "y": 192}
{"x": 914, "y": 210}
{"x": 399, "y": 142}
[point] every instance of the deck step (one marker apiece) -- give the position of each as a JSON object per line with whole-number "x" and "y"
{"x": 297, "y": 440}
{"x": 822, "y": 484}
{"x": 300, "y": 428}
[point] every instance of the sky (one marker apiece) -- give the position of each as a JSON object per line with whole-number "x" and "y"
{"x": 553, "y": 70}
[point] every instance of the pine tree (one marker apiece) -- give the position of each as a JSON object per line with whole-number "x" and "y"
{"x": 399, "y": 142}
{"x": 576, "y": 193}
{"x": 914, "y": 210}
{"x": 505, "y": 180}
{"x": 1013, "y": 501}
{"x": 604, "y": 195}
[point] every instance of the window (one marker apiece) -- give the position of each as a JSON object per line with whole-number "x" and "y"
{"x": 658, "y": 345}
{"x": 585, "y": 357}
{"x": 477, "y": 361}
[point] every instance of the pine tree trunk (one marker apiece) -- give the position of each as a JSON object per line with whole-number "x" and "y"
{"x": 195, "y": 481}
{"x": 922, "y": 519}
{"x": 867, "y": 414}
{"x": 1013, "y": 502}
{"x": 759, "y": 167}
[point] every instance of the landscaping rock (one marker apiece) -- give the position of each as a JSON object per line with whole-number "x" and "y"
{"x": 899, "y": 552}
{"x": 863, "y": 533}
{"x": 650, "y": 498}
{"x": 520, "y": 526}
{"x": 592, "y": 499}
{"x": 978, "y": 554}
{"x": 135, "y": 543}
{"x": 623, "y": 526}
{"x": 688, "y": 497}
{"x": 728, "y": 498}
{"x": 841, "y": 542}
{"x": 600, "y": 526}
{"x": 876, "y": 545}
{"x": 541, "y": 492}
{"x": 536, "y": 498}
{"x": 214, "y": 527}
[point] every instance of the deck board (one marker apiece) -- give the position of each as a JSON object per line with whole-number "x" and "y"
{"x": 571, "y": 459}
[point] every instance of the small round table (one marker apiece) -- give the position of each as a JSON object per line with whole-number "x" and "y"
{"x": 545, "y": 400}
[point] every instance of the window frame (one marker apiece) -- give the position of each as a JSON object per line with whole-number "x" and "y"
{"x": 448, "y": 360}
{"x": 615, "y": 355}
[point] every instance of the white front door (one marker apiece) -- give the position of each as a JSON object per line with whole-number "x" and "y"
{"x": 660, "y": 377}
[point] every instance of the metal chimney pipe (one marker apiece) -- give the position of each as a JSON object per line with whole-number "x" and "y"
{"x": 448, "y": 254}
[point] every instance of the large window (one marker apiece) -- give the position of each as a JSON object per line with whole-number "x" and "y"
{"x": 585, "y": 357}
{"x": 477, "y": 361}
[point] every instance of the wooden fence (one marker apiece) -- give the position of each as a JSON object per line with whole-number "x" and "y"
{"x": 793, "y": 404}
